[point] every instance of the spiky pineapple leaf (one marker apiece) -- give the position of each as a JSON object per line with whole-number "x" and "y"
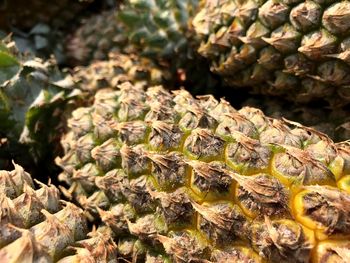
{"x": 33, "y": 94}
{"x": 6, "y": 60}
{"x": 9, "y": 65}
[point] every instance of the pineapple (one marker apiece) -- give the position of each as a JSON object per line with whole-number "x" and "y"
{"x": 41, "y": 27}
{"x": 184, "y": 179}
{"x": 33, "y": 92}
{"x": 158, "y": 30}
{"x": 95, "y": 39}
{"x": 296, "y": 49}
{"x": 334, "y": 122}
{"x": 155, "y": 28}
{"x": 99, "y": 247}
{"x": 35, "y": 225}
{"x": 117, "y": 69}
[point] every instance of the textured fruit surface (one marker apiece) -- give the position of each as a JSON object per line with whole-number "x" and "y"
{"x": 334, "y": 122}
{"x": 35, "y": 225}
{"x": 298, "y": 49}
{"x": 95, "y": 38}
{"x": 197, "y": 180}
{"x": 118, "y": 69}
{"x": 158, "y": 30}
{"x": 154, "y": 28}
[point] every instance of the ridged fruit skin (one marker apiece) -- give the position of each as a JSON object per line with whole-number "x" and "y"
{"x": 158, "y": 30}
{"x": 33, "y": 94}
{"x": 153, "y": 28}
{"x": 198, "y": 181}
{"x": 162, "y": 31}
{"x": 117, "y": 69}
{"x": 35, "y": 225}
{"x": 94, "y": 39}
{"x": 333, "y": 122}
{"x": 97, "y": 247}
{"x": 295, "y": 49}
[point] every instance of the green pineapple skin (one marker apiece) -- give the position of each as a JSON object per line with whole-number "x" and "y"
{"x": 157, "y": 30}
{"x": 167, "y": 171}
{"x": 94, "y": 39}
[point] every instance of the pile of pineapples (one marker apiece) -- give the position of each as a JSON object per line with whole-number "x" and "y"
{"x": 129, "y": 164}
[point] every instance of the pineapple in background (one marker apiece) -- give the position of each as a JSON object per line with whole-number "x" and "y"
{"x": 197, "y": 180}
{"x": 228, "y": 34}
{"x": 118, "y": 69}
{"x": 158, "y": 30}
{"x": 295, "y": 49}
{"x": 154, "y": 28}
{"x": 334, "y": 122}
{"x": 95, "y": 39}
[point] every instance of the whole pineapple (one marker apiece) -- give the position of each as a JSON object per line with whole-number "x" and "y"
{"x": 35, "y": 225}
{"x": 158, "y": 30}
{"x": 296, "y": 49}
{"x": 154, "y": 28}
{"x": 95, "y": 39}
{"x": 198, "y": 181}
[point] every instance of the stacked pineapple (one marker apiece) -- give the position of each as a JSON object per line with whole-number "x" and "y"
{"x": 168, "y": 177}
{"x": 118, "y": 69}
{"x": 35, "y": 225}
{"x": 334, "y": 122}
{"x": 156, "y": 30}
{"x": 297, "y": 49}
{"x": 233, "y": 36}
{"x": 194, "y": 180}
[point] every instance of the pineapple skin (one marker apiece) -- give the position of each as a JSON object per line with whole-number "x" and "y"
{"x": 153, "y": 28}
{"x": 94, "y": 39}
{"x": 196, "y": 180}
{"x": 333, "y": 122}
{"x": 157, "y": 30}
{"x": 117, "y": 69}
{"x": 295, "y": 49}
{"x": 35, "y": 225}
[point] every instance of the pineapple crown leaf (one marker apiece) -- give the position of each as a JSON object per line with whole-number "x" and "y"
{"x": 33, "y": 94}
